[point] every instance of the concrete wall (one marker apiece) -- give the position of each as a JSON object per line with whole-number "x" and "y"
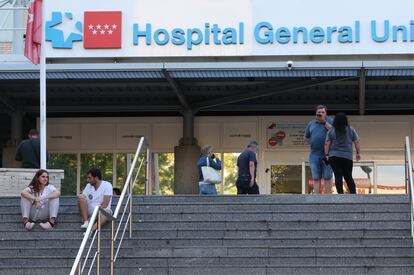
{"x": 13, "y": 181}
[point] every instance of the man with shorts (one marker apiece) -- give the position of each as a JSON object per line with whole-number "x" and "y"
{"x": 315, "y": 135}
{"x": 97, "y": 192}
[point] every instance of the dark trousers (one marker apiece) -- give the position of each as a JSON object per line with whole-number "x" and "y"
{"x": 243, "y": 187}
{"x": 342, "y": 168}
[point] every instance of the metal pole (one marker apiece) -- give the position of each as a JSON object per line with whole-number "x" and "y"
{"x": 98, "y": 256}
{"x": 303, "y": 177}
{"x": 79, "y": 268}
{"x": 130, "y": 210}
{"x": 148, "y": 187}
{"x": 43, "y": 136}
{"x": 112, "y": 246}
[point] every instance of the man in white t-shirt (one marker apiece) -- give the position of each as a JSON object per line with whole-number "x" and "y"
{"x": 96, "y": 192}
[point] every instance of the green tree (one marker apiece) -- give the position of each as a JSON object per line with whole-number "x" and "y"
{"x": 67, "y": 162}
{"x": 101, "y": 161}
{"x": 166, "y": 173}
{"x": 230, "y": 172}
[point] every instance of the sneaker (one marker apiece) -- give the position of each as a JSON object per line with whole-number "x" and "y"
{"x": 29, "y": 225}
{"x": 85, "y": 225}
{"x": 46, "y": 226}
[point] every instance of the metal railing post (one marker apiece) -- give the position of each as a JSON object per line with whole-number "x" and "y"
{"x": 98, "y": 257}
{"x": 112, "y": 246}
{"x": 130, "y": 211}
{"x": 127, "y": 191}
{"x": 148, "y": 175}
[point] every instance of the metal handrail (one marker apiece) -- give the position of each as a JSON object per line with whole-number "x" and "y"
{"x": 409, "y": 178}
{"x": 128, "y": 188}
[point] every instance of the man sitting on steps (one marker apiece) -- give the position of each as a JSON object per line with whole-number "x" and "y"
{"x": 96, "y": 192}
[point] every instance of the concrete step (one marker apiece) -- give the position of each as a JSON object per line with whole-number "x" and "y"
{"x": 227, "y": 270}
{"x": 58, "y": 233}
{"x": 236, "y": 225}
{"x": 281, "y": 242}
{"x": 265, "y": 261}
{"x": 282, "y": 233}
{"x": 316, "y": 251}
{"x": 260, "y": 199}
{"x": 149, "y": 261}
{"x": 73, "y": 214}
{"x": 242, "y": 208}
{"x": 137, "y": 241}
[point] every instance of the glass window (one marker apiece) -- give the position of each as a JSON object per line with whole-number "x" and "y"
{"x": 67, "y": 162}
{"x": 391, "y": 179}
{"x": 101, "y": 161}
{"x": 362, "y": 173}
{"x": 286, "y": 179}
{"x": 230, "y": 173}
{"x": 122, "y": 172}
{"x": 363, "y": 177}
{"x": 166, "y": 173}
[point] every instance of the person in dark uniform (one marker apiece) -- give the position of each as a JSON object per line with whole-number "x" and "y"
{"x": 28, "y": 151}
{"x": 247, "y": 167}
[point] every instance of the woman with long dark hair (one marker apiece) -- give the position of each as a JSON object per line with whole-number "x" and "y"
{"x": 40, "y": 202}
{"x": 338, "y": 149}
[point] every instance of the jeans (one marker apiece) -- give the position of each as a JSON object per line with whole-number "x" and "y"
{"x": 47, "y": 211}
{"x": 207, "y": 188}
{"x": 342, "y": 168}
{"x": 319, "y": 169}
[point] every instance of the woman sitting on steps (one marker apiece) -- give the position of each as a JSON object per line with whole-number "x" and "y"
{"x": 40, "y": 202}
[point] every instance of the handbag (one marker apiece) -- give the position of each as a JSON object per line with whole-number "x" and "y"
{"x": 210, "y": 174}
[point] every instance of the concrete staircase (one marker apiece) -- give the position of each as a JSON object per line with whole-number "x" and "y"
{"x": 286, "y": 234}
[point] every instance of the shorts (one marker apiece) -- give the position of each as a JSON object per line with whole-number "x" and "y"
{"x": 320, "y": 170}
{"x": 90, "y": 211}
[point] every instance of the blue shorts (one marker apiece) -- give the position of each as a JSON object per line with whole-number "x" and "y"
{"x": 319, "y": 169}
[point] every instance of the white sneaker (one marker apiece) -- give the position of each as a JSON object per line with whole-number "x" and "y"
{"x": 85, "y": 225}
{"x": 46, "y": 226}
{"x": 29, "y": 225}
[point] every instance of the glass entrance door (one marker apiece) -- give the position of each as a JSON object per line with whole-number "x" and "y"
{"x": 286, "y": 179}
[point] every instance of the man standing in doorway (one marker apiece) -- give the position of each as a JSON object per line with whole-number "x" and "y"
{"x": 247, "y": 167}
{"x": 315, "y": 135}
{"x": 28, "y": 151}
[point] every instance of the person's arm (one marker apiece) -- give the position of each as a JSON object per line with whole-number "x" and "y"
{"x": 355, "y": 140}
{"x": 307, "y": 134}
{"x": 328, "y": 126}
{"x": 215, "y": 163}
{"x": 107, "y": 195}
{"x": 251, "y": 169}
{"x": 105, "y": 201}
{"x": 358, "y": 150}
{"x": 28, "y": 195}
{"x": 327, "y": 146}
{"x": 55, "y": 194}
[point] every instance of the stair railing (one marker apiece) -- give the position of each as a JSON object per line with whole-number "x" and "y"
{"x": 116, "y": 235}
{"x": 409, "y": 181}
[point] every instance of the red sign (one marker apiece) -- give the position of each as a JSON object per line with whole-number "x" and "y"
{"x": 272, "y": 142}
{"x": 102, "y": 30}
